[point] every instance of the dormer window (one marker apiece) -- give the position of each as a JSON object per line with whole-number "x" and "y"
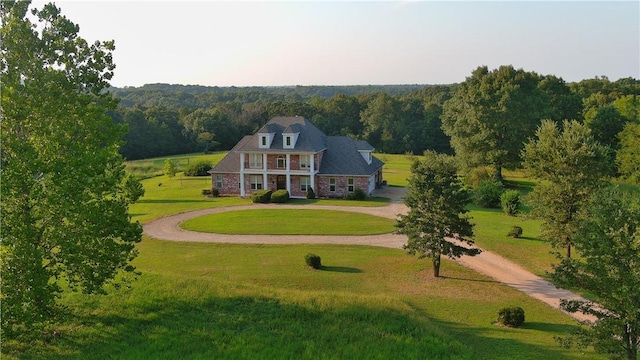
{"x": 265, "y": 140}
{"x": 289, "y": 140}
{"x": 366, "y": 155}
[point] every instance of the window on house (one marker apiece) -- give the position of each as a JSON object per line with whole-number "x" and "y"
{"x": 287, "y": 140}
{"x": 304, "y": 162}
{"x": 332, "y": 184}
{"x": 256, "y": 182}
{"x": 305, "y": 183}
{"x": 281, "y": 163}
{"x": 255, "y": 161}
{"x": 350, "y": 185}
{"x": 263, "y": 140}
{"x": 218, "y": 181}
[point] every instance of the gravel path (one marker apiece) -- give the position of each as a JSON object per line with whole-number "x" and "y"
{"x": 487, "y": 263}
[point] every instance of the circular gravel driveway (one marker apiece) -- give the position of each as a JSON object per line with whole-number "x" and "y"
{"x": 487, "y": 263}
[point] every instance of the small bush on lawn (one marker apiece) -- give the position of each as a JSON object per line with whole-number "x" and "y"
{"x": 313, "y": 260}
{"x": 280, "y": 196}
{"x": 510, "y": 201}
{"x": 487, "y": 194}
{"x": 511, "y": 316}
{"x": 358, "y": 194}
{"x": 199, "y": 168}
{"x": 261, "y": 196}
{"x": 515, "y": 232}
{"x": 310, "y": 193}
{"x": 213, "y": 192}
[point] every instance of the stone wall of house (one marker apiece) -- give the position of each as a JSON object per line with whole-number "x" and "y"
{"x": 342, "y": 185}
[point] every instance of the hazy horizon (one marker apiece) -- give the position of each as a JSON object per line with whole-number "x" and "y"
{"x": 336, "y": 43}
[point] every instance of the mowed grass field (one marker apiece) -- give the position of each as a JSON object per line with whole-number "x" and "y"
{"x": 231, "y": 301}
{"x": 290, "y": 222}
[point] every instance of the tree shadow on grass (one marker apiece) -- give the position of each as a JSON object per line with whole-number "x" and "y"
{"x": 529, "y": 238}
{"x": 342, "y": 269}
{"x": 250, "y": 328}
{"x": 245, "y": 327}
{"x": 499, "y": 342}
{"x": 463, "y": 279}
{"x": 171, "y": 201}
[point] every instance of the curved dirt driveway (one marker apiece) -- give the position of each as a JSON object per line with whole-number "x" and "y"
{"x": 487, "y": 263}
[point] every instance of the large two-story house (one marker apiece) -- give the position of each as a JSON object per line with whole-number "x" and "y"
{"x": 291, "y": 153}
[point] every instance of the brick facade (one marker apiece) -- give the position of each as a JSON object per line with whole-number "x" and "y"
{"x": 341, "y": 185}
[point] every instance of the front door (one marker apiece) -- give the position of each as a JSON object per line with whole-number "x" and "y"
{"x": 281, "y": 182}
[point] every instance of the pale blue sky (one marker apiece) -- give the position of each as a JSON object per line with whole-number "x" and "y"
{"x": 267, "y": 43}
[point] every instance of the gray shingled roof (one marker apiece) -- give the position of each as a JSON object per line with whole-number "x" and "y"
{"x": 340, "y": 158}
{"x": 311, "y": 139}
{"x": 363, "y": 145}
{"x": 231, "y": 162}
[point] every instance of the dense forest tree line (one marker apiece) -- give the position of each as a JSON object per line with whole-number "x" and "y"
{"x": 485, "y": 120}
{"x": 173, "y": 119}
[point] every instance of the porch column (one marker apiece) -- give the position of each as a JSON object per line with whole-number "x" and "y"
{"x": 312, "y": 174}
{"x": 265, "y": 184}
{"x": 242, "y": 193}
{"x": 288, "y": 167}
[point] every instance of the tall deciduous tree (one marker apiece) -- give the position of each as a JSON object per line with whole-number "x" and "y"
{"x": 436, "y": 223}
{"x": 65, "y": 194}
{"x": 608, "y": 240}
{"x": 605, "y": 123}
{"x": 571, "y": 164}
{"x": 628, "y": 156}
{"x": 492, "y": 114}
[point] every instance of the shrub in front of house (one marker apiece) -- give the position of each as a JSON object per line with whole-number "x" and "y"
{"x": 313, "y": 261}
{"x": 511, "y": 316}
{"x": 487, "y": 194}
{"x": 198, "y": 168}
{"x": 357, "y": 194}
{"x": 510, "y": 201}
{"x": 280, "y": 196}
{"x": 261, "y": 196}
{"x": 515, "y": 232}
{"x": 310, "y": 193}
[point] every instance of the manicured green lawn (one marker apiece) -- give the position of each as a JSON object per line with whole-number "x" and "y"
{"x": 290, "y": 222}
{"x": 148, "y": 168}
{"x": 230, "y": 301}
{"x": 531, "y": 252}
{"x": 397, "y": 168}
{"x": 166, "y": 196}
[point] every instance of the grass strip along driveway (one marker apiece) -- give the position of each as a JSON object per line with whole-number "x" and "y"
{"x": 290, "y": 222}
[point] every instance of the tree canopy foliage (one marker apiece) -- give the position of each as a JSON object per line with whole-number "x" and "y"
{"x": 571, "y": 165}
{"x": 608, "y": 239}
{"x": 493, "y": 112}
{"x": 436, "y": 223}
{"x": 65, "y": 194}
